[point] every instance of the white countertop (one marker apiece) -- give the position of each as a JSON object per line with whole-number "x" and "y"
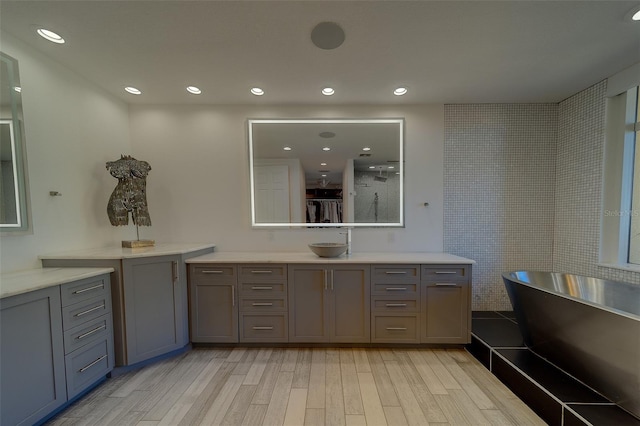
{"x": 20, "y": 282}
{"x": 127, "y": 253}
{"x": 309, "y": 257}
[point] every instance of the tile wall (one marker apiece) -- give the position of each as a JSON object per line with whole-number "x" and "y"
{"x": 523, "y": 189}
{"x": 578, "y": 210}
{"x": 499, "y": 188}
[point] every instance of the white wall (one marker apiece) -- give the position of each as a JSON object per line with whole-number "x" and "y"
{"x": 198, "y": 189}
{"x": 72, "y": 129}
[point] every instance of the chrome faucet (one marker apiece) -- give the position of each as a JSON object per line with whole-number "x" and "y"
{"x": 348, "y": 240}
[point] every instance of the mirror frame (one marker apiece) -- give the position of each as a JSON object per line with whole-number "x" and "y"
{"x": 401, "y": 132}
{"x": 21, "y": 184}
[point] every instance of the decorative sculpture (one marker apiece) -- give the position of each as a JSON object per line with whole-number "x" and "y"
{"x": 129, "y": 196}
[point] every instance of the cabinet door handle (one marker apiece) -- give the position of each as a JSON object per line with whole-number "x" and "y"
{"x": 324, "y": 276}
{"x": 175, "y": 271}
{"x": 396, "y": 305}
{"x": 261, "y": 288}
{"x": 95, "y": 308}
{"x": 262, "y": 304}
{"x": 211, "y": 271}
{"x": 446, "y": 284}
{"x": 95, "y": 287}
{"x": 88, "y": 366}
{"x": 233, "y": 295}
{"x": 396, "y": 289}
{"x": 396, "y": 272}
{"x": 445, "y": 272}
{"x": 262, "y": 272}
{"x": 262, "y": 328}
{"x": 396, "y": 328}
{"x": 89, "y": 333}
{"x": 332, "y": 280}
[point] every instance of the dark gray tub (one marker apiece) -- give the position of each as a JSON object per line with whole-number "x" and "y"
{"x": 587, "y": 326}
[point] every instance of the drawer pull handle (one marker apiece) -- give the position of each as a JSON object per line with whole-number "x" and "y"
{"x": 95, "y": 287}
{"x": 445, "y": 272}
{"x": 88, "y": 366}
{"x": 262, "y": 272}
{"x": 261, "y": 288}
{"x": 397, "y": 328}
{"x": 212, "y": 272}
{"x": 95, "y": 308}
{"x": 396, "y": 289}
{"x": 262, "y": 304}
{"x": 397, "y": 305}
{"x": 89, "y": 333}
{"x": 262, "y": 328}
{"x": 396, "y": 272}
{"x": 446, "y": 284}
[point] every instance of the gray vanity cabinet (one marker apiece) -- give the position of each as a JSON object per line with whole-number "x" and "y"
{"x": 446, "y": 301}
{"x": 214, "y": 310}
{"x": 32, "y": 367}
{"x": 154, "y": 306}
{"x": 329, "y": 303}
{"x": 395, "y": 303}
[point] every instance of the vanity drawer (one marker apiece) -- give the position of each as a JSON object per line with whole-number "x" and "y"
{"x": 89, "y": 332}
{"x": 395, "y": 274}
{"x": 263, "y": 328}
{"x": 79, "y": 313}
{"x": 86, "y": 366}
{"x": 406, "y": 290}
{"x": 78, "y": 291}
{"x": 263, "y": 305}
{"x": 394, "y": 328}
{"x": 214, "y": 273}
{"x": 394, "y": 305}
{"x": 262, "y": 272}
{"x": 445, "y": 273}
{"x": 255, "y": 289}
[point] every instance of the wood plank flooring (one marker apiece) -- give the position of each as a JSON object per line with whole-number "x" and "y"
{"x": 304, "y": 386}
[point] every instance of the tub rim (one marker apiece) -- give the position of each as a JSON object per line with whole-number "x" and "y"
{"x": 508, "y": 276}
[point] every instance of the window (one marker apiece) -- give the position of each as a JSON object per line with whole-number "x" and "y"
{"x": 633, "y": 133}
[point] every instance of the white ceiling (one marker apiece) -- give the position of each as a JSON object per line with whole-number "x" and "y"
{"x": 442, "y": 51}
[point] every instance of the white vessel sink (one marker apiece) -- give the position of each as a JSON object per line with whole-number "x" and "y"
{"x": 328, "y": 249}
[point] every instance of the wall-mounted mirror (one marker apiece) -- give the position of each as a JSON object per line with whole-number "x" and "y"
{"x": 327, "y": 172}
{"x": 14, "y": 200}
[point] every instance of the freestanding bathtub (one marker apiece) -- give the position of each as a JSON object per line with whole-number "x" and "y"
{"x": 586, "y": 326}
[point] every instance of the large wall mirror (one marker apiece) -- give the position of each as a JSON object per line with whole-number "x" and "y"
{"x": 14, "y": 200}
{"x": 327, "y": 172}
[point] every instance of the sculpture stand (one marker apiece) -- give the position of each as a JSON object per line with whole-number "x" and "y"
{"x": 138, "y": 243}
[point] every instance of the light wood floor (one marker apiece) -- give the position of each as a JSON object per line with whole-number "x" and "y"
{"x": 302, "y": 386}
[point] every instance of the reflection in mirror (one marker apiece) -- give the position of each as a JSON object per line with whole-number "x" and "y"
{"x": 14, "y": 207}
{"x": 326, "y": 173}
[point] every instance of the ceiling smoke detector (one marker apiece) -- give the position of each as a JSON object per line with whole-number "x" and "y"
{"x": 327, "y": 35}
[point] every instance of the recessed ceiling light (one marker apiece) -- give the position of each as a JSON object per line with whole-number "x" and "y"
{"x": 400, "y": 91}
{"x": 18, "y": 89}
{"x": 633, "y": 14}
{"x": 287, "y": 148}
{"x": 323, "y": 175}
{"x": 326, "y": 148}
{"x": 193, "y": 90}
{"x": 328, "y": 91}
{"x": 50, "y": 35}
{"x": 133, "y": 90}
{"x": 390, "y": 167}
{"x": 323, "y": 164}
{"x": 257, "y": 91}
{"x": 366, "y": 148}
{"x": 372, "y": 167}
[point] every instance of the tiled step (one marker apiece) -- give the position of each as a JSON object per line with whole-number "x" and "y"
{"x": 554, "y": 395}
